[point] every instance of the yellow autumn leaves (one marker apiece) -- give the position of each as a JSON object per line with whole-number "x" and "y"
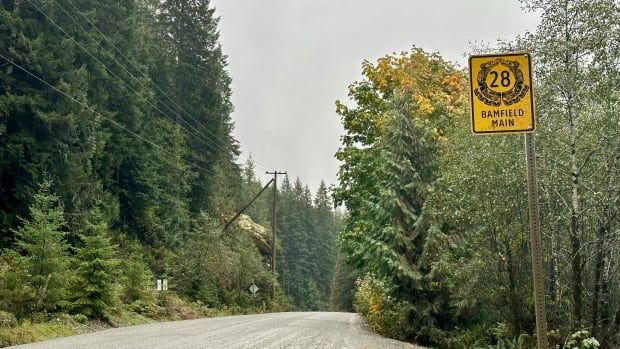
{"x": 424, "y": 80}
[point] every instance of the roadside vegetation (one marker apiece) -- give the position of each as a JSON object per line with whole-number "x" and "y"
{"x": 437, "y": 217}
{"x": 118, "y": 168}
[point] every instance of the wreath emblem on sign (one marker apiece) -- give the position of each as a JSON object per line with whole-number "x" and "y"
{"x": 494, "y": 98}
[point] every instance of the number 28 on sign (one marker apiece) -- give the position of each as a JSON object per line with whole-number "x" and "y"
{"x": 501, "y": 93}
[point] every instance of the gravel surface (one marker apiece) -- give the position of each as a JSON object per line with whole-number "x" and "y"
{"x": 275, "y": 330}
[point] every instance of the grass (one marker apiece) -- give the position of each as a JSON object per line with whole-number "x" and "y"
{"x": 29, "y": 332}
{"x": 128, "y": 318}
{"x": 168, "y": 307}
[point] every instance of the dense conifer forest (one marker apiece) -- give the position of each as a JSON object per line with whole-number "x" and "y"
{"x": 119, "y": 171}
{"x": 118, "y": 168}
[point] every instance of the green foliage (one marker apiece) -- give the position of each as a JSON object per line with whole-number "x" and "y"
{"x": 384, "y": 314}
{"x": 190, "y": 66}
{"x": 217, "y": 268}
{"x": 7, "y": 319}
{"x": 443, "y": 215}
{"x": 97, "y": 270}
{"x": 259, "y": 210}
{"x": 140, "y": 153}
{"x": 306, "y": 230}
{"x": 343, "y": 286}
{"x": 581, "y": 340}
{"x": 17, "y": 294}
{"x": 395, "y": 137}
{"x": 137, "y": 281}
{"x": 29, "y": 332}
{"x": 138, "y": 145}
{"x": 35, "y": 280}
{"x": 577, "y": 103}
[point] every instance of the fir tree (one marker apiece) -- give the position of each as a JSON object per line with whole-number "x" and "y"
{"x": 45, "y": 257}
{"x": 193, "y": 68}
{"x": 96, "y": 273}
{"x": 137, "y": 282}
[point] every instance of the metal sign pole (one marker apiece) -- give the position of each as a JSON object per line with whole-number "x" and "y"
{"x": 502, "y": 101}
{"x": 537, "y": 263}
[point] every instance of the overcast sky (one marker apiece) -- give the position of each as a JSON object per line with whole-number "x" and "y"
{"x": 290, "y": 60}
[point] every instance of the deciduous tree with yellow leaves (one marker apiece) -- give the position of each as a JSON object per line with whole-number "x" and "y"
{"x": 394, "y": 137}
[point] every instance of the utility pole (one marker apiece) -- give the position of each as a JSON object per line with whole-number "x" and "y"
{"x": 273, "y": 228}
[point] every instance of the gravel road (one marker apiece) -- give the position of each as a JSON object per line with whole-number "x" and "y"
{"x": 275, "y": 330}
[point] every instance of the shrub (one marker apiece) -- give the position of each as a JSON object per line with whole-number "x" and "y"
{"x": 137, "y": 290}
{"x": 18, "y": 297}
{"x": 7, "y": 319}
{"x": 383, "y": 314}
{"x": 581, "y": 340}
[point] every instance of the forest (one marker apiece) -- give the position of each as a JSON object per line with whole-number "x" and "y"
{"x": 437, "y": 224}
{"x": 118, "y": 168}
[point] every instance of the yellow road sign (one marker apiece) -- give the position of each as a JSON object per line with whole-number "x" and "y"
{"x": 501, "y": 93}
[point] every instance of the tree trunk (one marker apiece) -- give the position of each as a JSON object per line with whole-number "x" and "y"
{"x": 557, "y": 291}
{"x": 575, "y": 241}
{"x": 574, "y": 233}
{"x": 513, "y": 294}
{"x": 599, "y": 265}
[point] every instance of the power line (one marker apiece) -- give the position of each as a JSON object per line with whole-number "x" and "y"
{"x": 221, "y": 145}
{"x": 115, "y": 123}
{"x": 122, "y": 80}
{"x": 217, "y": 142}
{"x": 230, "y": 221}
{"x": 118, "y": 77}
{"x": 274, "y": 229}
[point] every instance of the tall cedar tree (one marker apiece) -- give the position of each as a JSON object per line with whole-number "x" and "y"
{"x": 390, "y": 150}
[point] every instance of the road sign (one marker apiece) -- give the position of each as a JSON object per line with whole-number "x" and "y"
{"x": 253, "y": 288}
{"x": 502, "y": 102}
{"x": 501, "y": 93}
{"x": 159, "y": 286}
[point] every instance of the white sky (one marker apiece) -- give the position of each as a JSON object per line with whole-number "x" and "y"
{"x": 290, "y": 60}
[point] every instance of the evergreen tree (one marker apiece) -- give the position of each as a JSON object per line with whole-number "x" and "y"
{"x": 342, "y": 289}
{"x": 390, "y": 153}
{"x": 324, "y": 227}
{"x": 18, "y": 296}
{"x": 43, "y": 129}
{"x": 96, "y": 272}
{"x": 192, "y": 69}
{"x": 259, "y": 210}
{"x": 306, "y": 231}
{"x": 44, "y": 250}
{"x": 137, "y": 279}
